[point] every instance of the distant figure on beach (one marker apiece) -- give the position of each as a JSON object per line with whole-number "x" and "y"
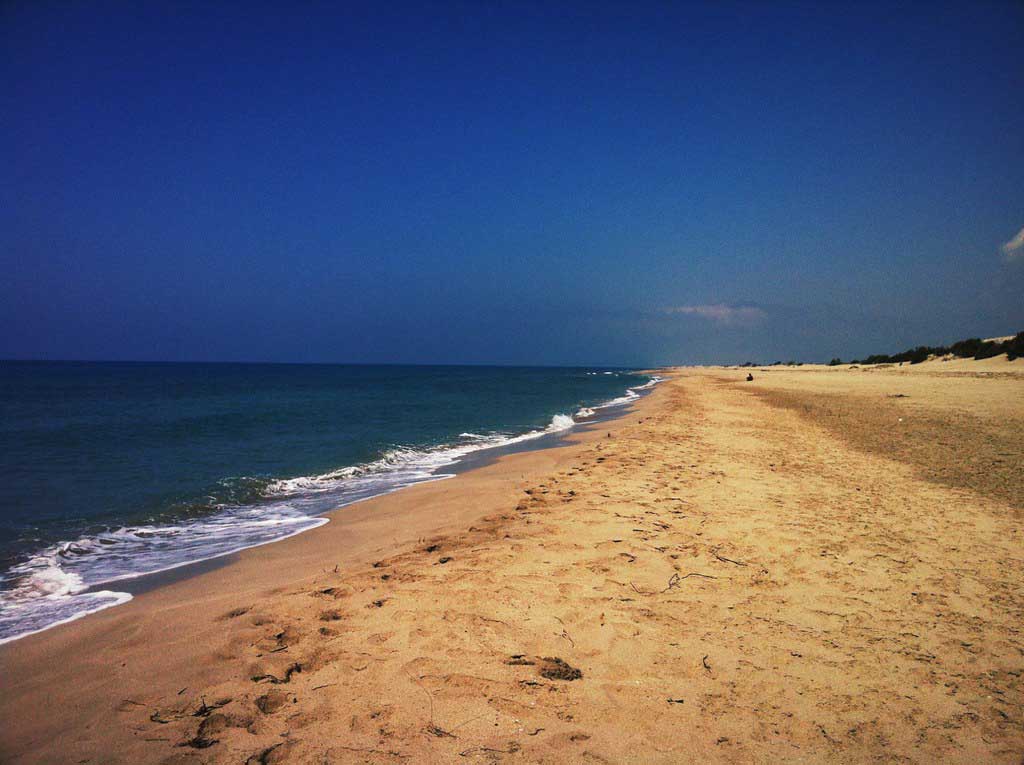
{"x": 750, "y": 377}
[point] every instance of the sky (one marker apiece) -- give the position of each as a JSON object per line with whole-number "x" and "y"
{"x": 546, "y": 183}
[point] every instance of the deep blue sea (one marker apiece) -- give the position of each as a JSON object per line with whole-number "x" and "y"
{"x": 109, "y": 471}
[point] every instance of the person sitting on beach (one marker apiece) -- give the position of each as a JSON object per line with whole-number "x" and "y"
{"x": 750, "y": 377}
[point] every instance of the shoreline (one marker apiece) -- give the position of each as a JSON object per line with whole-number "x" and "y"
{"x": 729, "y": 558}
{"x": 143, "y": 583}
{"x": 243, "y": 574}
{"x": 123, "y": 589}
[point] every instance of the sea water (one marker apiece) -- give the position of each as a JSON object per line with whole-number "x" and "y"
{"x": 109, "y": 471}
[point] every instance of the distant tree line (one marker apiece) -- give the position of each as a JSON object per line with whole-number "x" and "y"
{"x": 973, "y": 348}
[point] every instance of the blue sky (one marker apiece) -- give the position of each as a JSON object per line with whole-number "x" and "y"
{"x": 520, "y": 183}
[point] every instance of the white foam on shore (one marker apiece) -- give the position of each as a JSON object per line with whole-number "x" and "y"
{"x": 29, "y": 620}
{"x": 57, "y": 585}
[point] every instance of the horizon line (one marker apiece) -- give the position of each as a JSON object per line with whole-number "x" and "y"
{"x": 330, "y": 363}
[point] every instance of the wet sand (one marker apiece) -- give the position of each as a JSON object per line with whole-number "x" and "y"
{"x": 825, "y": 564}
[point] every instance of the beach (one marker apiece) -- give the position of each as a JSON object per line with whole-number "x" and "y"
{"x": 824, "y": 564}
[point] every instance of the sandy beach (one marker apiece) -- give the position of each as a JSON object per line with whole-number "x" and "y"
{"x": 823, "y": 565}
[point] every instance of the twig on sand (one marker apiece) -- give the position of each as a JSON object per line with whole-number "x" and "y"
{"x": 429, "y": 697}
{"x": 675, "y": 579}
{"x": 493, "y": 621}
{"x": 159, "y": 718}
{"x": 291, "y": 670}
{"x": 513, "y": 747}
{"x": 704, "y": 661}
{"x": 673, "y": 582}
{"x": 714, "y": 551}
{"x": 467, "y": 722}
{"x": 204, "y": 709}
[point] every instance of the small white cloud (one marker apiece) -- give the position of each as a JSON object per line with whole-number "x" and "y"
{"x": 1015, "y": 247}
{"x": 722, "y": 314}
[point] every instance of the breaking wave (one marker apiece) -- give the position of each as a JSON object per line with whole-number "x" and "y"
{"x": 69, "y": 580}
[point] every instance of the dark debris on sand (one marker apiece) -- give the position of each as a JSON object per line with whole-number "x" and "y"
{"x": 553, "y": 668}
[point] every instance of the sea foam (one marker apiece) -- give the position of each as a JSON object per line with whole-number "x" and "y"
{"x": 60, "y": 583}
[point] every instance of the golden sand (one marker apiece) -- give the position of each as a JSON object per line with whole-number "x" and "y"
{"x": 822, "y": 565}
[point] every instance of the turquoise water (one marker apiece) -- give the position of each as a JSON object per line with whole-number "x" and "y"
{"x": 109, "y": 470}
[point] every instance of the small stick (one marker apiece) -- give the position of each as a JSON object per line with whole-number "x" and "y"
{"x": 467, "y": 722}
{"x": 676, "y": 579}
{"x": 714, "y": 551}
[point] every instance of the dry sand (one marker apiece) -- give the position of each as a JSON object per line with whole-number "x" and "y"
{"x": 802, "y": 568}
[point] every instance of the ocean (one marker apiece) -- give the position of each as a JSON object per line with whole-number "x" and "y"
{"x": 111, "y": 471}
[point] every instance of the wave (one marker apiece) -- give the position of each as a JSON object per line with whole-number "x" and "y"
{"x": 60, "y": 583}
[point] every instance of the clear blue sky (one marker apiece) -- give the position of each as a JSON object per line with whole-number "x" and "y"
{"x": 515, "y": 183}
